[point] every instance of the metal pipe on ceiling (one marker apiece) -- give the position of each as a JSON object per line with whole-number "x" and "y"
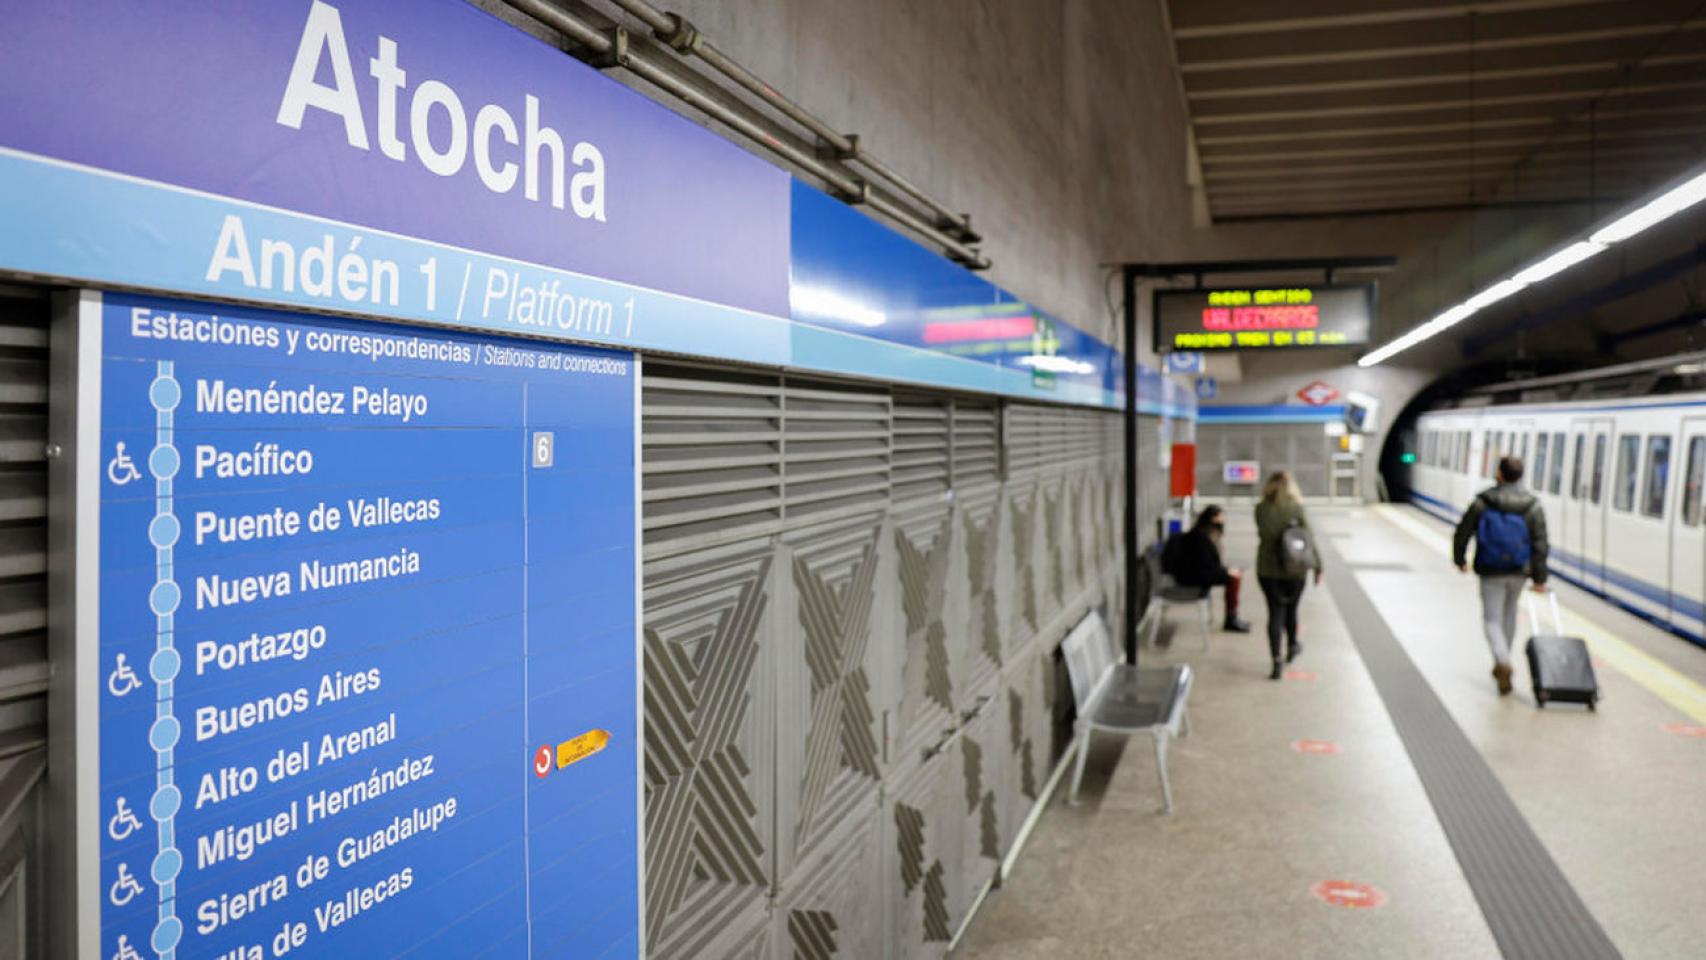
{"x": 612, "y": 47}
{"x": 680, "y": 35}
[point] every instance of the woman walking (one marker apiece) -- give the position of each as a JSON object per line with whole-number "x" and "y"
{"x": 1285, "y": 558}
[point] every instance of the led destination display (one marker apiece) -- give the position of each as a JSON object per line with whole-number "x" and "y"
{"x": 1264, "y": 318}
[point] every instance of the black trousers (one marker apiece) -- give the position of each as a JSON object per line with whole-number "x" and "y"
{"x": 1282, "y": 597}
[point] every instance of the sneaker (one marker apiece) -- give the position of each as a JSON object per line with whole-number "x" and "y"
{"x": 1293, "y": 651}
{"x": 1278, "y": 671}
{"x": 1235, "y": 625}
{"x": 1502, "y": 674}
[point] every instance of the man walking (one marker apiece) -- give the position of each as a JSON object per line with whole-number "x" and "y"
{"x": 1509, "y": 530}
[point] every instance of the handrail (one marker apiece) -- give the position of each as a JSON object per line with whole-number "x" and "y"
{"x": 611, "y": 47}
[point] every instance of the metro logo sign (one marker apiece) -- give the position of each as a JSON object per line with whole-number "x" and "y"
{"x": 1318, "y": 394}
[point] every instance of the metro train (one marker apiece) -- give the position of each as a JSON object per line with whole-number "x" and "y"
{"x": 1620, "y": 480}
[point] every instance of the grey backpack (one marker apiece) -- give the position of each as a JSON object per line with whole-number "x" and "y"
{"x": 1296, "y": 552}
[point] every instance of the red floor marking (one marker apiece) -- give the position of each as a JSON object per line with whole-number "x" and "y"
{"x": 1685, "y": 729}
{"x": 1315, "y": 746}
{"x": 1598, "y": 664}
{"x": 1302, "y": 675}
{"x": 1345, "y": 893}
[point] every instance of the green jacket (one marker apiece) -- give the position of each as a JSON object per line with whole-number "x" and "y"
{"x": 1271, "y": 521}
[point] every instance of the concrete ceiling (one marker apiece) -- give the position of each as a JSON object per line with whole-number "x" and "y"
{"x": 1322, "y": 108}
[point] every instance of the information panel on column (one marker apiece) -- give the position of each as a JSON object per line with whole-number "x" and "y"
{"x": 367, "y": 640}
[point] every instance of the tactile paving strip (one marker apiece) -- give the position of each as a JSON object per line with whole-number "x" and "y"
{"x": 1529, "y": 904}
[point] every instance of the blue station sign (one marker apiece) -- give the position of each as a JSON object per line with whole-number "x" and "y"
{"x": 420, "y": 161}
{"x": 367, "y": 652}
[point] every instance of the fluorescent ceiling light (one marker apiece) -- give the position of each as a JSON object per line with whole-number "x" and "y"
{"x": 1665, "y": 205}
{"x": 1494, "y": 294}
{"x": 1562, "y": 260}
{"x": 1447, "y": 319}
{"x": 825, "y": 304}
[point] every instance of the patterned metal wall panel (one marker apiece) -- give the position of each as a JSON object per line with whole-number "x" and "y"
{"x": 924, "y": 883}
{"x": 850, "y": 708}
{"x": 1024, "y": 523}
{"x": 1056, "y": 543}
{"x": 1152, "y": 480}
{"x": 709, "y": 743}
{"x": 1080, "y": 546}
{"x": 932, "y": 670}
{"x": 984, "y": 801}
{"x": 832, "y": 713}
{"x": 833, "y": 905}
{"x": 1027, "y": 728}
{"x": 979, "y": 522}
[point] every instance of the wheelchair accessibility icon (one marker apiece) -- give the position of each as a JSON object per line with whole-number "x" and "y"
{"x": 125, "y": 888}
{"x": 123, "y": 679}
{"x": 121, "y": 469}
{"x": 124, "y": 822}
{"x": 125, "y": 950}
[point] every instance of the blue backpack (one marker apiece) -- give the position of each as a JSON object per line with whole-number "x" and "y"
{"x": 1501, "y": 541}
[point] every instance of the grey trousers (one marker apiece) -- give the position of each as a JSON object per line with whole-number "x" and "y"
{"x": 1499, "y": 596}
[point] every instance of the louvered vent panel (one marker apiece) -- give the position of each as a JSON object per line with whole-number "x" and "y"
{"x": 1050, "y": 439}
{"x": 976, "y": 443}
{"x": 1113, "y": 437}
{"x": 1079, "y": 437}
{"x": 1022, "y": 430}
{"x": 23, "y": 523}
{"x": 921, "y": 441}
{"x": 712, "y": 456}
{"x": 837, "y": 452}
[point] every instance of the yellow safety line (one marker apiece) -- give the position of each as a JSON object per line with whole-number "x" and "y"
{"x": 1661, "y": 680}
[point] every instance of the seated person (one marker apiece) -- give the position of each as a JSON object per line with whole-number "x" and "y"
{"x": 1192, "y": 559}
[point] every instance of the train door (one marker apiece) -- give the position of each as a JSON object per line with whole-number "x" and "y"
{"x": 1594, "y": 487}
{"x": 1687, "y": 541}
{"x": 1567, "y": 545}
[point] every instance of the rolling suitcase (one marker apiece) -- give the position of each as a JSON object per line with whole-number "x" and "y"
{"x": 1559, "y": 664}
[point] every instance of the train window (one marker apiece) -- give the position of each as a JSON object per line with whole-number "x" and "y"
{"x": 1628, "y": 467}
{"x": 1537, "y": 477}
{"x": 1597, "y": 488}
{"x": 1691, "y": 487}
{"x": 1557, "y": 483}
{"x": 1522, "y": 452}
{"x": 1658, "y": 475}
{"x": 1463, "y": 451}
{"x": 1490, "y": 452}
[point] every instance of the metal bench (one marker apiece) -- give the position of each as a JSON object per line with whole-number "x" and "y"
{"x": 1117, "y": 697}
{"x": 1168, "y": 596}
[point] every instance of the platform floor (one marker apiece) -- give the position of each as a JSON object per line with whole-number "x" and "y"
{"x": 1616, "y": 798}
